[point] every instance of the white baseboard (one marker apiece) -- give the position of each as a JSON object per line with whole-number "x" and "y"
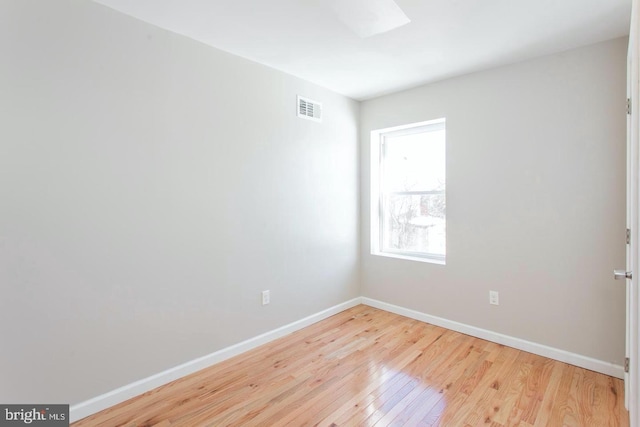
{"x": 528, "y": 346}
{"x": 99, "y": 403}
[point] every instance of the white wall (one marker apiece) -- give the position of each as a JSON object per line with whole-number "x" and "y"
{"x": 535, "y": 201}
{"x": 150, "y": 188}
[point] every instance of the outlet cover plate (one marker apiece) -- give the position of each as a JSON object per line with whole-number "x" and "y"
{"x": 494, "y": 298}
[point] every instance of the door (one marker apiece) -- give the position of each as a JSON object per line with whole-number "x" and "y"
{"x": 632, "y": 242}
{"x": 632, "y": 371}
{"x": 632, "y": 377}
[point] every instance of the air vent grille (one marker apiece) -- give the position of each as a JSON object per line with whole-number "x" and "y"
{"x": 309, "y": 109}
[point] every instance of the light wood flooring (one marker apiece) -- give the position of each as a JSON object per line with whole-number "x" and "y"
{"x": 366, "y": 367}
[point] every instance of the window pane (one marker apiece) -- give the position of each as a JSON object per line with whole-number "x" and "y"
{"x": 408, "y": 177}
{"x": 415, "y": 223}
{"x": 414, "y": 162}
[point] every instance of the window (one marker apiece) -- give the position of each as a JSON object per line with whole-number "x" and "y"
{"x": 408, "y": 202}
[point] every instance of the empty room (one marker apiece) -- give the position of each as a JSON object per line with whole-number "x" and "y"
{"x": 319, "y": 212}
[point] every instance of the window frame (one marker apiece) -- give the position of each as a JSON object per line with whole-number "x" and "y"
{"x": 378, "y": 196}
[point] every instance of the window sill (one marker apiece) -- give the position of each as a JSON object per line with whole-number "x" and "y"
{"x": 411, "y": 258}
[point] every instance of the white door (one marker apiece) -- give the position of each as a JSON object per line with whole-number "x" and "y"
{"x": 632, "y": 377}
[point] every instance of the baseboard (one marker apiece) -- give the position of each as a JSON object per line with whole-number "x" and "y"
{"x": 126, "y": 392}
{"x": 528, "y": 346}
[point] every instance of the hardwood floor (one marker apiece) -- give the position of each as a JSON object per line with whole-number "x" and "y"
{"x": 366, "y": 367}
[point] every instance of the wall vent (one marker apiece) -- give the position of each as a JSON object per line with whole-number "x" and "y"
{"x": 309, "y": 109}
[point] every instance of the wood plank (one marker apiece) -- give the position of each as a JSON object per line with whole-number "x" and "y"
{"x": 366, "y": 367}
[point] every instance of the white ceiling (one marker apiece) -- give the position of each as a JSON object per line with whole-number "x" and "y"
{"x": 311, "y": 40}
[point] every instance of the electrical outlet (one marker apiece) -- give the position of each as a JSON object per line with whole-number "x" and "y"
{"x": 494, "y": 298}
{"x": 266, "y": 297}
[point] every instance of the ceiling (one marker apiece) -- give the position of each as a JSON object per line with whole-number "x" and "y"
{"x": 316, "y": 41}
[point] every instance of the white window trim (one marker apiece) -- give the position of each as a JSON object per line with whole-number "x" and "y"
{"x": 376, "y": 199}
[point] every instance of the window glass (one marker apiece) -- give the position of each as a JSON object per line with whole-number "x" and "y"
{"x": 411, "y": 191}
